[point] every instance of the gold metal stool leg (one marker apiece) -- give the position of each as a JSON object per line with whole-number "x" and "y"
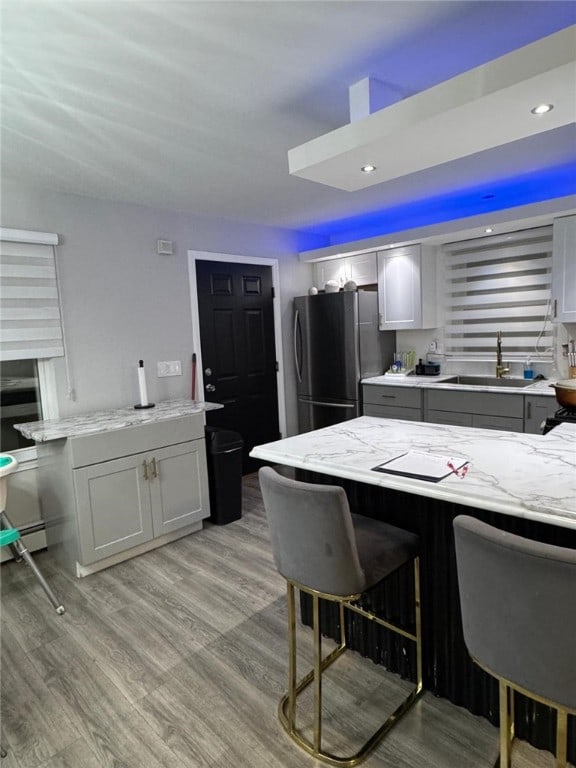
{"x": 287, "y": 706}
{"x": 317, "y": 677}
{"x": 561, "y": 738}
{"x": 506, "y": 725}
{"x": 291, "y": 658}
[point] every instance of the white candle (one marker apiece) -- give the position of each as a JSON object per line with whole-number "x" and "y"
{"x": 142, "y": 383}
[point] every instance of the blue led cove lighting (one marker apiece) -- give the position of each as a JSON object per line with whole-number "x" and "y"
{"x": 541, "y": 185}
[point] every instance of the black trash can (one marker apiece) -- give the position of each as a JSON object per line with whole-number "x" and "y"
{"x": 224, "y": 457}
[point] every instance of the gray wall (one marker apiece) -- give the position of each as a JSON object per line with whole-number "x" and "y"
{"x": 122, "y": 302}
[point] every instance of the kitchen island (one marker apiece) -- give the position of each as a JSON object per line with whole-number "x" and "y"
{"x": 114, "y": 484}
{"x": 518, "y": 482}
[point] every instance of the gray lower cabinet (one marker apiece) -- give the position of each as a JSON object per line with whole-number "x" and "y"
{"x": 485, "y": 410}
{"x": 509, "y": 412}
{"x": 389, "y": 402}
{"x": 536, "y": 411}
{"x": 449, "y": 417}
{"x": 392, "y": 412}
{"x": 129, "y": 501}
{"x": 505, "y": 423}
{"x": 113, "y": 507}
{"x": 109, "y": 496}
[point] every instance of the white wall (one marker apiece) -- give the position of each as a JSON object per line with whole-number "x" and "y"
{"x": 122, "y": 301}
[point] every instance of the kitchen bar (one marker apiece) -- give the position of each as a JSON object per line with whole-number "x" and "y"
{"x": 519, "y": 482}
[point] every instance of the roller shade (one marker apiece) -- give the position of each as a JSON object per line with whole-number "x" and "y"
{"x": 30, "y": 317}
{"x": 499, "y": 283}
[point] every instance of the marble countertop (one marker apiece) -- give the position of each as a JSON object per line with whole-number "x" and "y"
{"x": 442, "y": 381}
{"x": 530, "y": 476}
{"x": 107, "y": 421}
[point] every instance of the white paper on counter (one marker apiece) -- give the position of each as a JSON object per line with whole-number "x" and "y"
{"x": 423, "y": 466}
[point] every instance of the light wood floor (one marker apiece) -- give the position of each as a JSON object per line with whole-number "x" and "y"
{"x": 177, "y": 658}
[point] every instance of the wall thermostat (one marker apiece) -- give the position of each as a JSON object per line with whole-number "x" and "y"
{"x": 165, "y": 247}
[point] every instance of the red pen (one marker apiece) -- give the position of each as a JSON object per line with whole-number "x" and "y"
{"x": 459, "y": 473}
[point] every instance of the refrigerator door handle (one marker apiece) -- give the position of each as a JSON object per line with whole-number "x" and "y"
{"x": 331, "y": 405}
{"x": 296, "y": 331}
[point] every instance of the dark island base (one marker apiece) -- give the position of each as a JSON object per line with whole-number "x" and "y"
{"x": 447, "y": 667}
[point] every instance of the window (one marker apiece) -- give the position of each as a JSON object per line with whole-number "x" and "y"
{"x": 19, "y": 400}
{"x": 31, "y": 333}
{"x": 499, "y": 283}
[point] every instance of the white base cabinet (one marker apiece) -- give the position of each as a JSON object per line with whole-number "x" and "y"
{"x": 104, "y": 501}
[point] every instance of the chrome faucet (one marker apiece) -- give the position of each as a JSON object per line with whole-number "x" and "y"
{"x": 500, "y": 369}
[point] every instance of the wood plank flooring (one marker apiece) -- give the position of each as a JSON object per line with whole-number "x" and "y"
{"x": 177, "y": 659}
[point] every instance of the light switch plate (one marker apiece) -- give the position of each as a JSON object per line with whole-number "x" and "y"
{"x": 169, "y": 368}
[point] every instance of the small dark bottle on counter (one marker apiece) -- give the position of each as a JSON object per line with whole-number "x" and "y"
{"x": 419, "y": 368}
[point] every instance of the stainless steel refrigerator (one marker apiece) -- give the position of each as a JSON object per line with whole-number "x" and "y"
{"x": 336, "y": 343}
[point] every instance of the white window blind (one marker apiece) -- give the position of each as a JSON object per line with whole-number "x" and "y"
{"x": 499, "y": 283}
{"x": 29, "y": 304}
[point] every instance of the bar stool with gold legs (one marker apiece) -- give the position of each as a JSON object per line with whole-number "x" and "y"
{"x": 325, "y": 551}
{"x": 518, "y": 600}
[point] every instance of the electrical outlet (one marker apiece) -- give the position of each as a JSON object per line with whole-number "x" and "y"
{"x": 169, "y": 368}
{"x": 432, "y": 346}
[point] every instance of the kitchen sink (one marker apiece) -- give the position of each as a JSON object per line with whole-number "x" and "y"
{"x": 491, "y": 381}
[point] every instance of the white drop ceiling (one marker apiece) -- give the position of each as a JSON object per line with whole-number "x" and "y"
{"x": 489, "y": 106}
{"x": 194, "y": 106}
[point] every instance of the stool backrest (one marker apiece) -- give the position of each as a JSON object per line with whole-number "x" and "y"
{"x": 312, "y": 534}
{"x": 518, "y": 600}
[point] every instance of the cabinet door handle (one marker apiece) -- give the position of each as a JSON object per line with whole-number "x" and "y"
{"x": 145, "y": 465}
{"x": 154, "y": 469}
{"x": 529, "y": 410}
{"x": 555, "y": 308}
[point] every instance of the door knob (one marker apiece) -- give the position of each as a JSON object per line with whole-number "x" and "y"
{"x": 210, "y": 388}
{"x": 208, "y": 371}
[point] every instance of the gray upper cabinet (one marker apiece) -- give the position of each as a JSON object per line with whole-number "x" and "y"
{"x": 361, "y": 268}
{"x": 564, "y": 270}
{"x": 407, "y": 288}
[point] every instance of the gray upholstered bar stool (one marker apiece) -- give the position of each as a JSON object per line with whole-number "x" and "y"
{"x": 322, "y": 549}
{"x": 518, "y": 600}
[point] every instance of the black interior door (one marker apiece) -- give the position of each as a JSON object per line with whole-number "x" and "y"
{"x": 235, "y": 303}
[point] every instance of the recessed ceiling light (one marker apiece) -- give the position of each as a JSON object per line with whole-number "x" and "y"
{"x": 368, "y": 168}
{"x": 541, "y": 109}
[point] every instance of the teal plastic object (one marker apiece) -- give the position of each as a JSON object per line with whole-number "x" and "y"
{"x": 9, "y": 536}
{"x": 5, "y": 461}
